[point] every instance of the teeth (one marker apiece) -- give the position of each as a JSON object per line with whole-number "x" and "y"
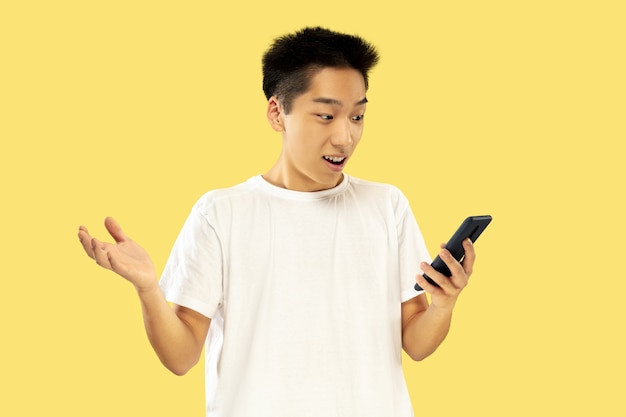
{"x": 335, "y": 159}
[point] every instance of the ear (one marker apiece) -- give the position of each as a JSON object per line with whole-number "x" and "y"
{"x": 275, "y": 114}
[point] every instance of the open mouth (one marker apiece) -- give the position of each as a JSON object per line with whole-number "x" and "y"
{"x": 335, "y": 160}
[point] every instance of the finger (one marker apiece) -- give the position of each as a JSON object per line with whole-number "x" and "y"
{"x": 116, "y": 265}
{"x": 432, "y": 274}
{"x": 458, "y": 278}
{"x": 85, "y": 240}
{"x": 100, "y": 253}
{"x": 470, "y": 257}
{"x": 115, "y": 230}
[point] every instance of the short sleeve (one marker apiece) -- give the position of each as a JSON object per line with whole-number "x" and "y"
{"x": 192, "y": 276}
{"x": 411, "y": 250}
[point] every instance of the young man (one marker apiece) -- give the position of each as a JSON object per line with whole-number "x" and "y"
{"x": 300, "y": 282}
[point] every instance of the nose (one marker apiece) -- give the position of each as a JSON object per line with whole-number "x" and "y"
{"x": 342, "y": 135}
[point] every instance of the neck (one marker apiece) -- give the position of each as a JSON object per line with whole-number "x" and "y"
{"x": 297, "y": 181}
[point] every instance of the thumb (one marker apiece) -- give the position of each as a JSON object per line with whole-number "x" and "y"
{"x": 115, "y": 230}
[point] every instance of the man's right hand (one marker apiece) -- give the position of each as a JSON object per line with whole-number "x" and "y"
{"x": 124, "y": 257}
{"x": 177, "y": 334}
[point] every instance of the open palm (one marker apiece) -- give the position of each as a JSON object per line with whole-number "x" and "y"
{"x": 124, "y": 257}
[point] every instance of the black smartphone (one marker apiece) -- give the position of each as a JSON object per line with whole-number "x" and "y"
{"x": 471, "y": 228}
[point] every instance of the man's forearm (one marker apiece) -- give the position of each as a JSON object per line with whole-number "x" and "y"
{"x": 171, "y": 338}
{"x": 425, "y": 332}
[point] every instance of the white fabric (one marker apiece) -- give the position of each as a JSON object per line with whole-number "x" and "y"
{"x": 304, "y": 291}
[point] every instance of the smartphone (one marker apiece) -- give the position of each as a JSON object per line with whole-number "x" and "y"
{"x": 471, "y": 228}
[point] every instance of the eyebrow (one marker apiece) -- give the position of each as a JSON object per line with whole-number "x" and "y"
{"x": 336, "y": 102}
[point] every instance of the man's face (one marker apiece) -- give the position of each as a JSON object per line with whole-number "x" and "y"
{"x": 322, "y": 131}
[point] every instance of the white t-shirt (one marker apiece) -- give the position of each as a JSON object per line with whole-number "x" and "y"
{"x": 304, "y": 290}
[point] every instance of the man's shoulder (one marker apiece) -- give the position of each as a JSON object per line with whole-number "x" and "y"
{"x": 368, "y": 186}
{"x": 221, "y": 195}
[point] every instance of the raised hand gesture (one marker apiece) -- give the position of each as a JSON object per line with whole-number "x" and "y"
{"x": 124, "y": 257}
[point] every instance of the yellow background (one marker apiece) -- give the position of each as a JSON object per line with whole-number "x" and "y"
{"x": 134, "y": 109}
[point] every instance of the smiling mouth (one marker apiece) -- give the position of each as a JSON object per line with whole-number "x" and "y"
{"x": 335, "y": 160}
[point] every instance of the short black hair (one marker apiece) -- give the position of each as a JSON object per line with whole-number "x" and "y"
{"x": 293, "y": 59}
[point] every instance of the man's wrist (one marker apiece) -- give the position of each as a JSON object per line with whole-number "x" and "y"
{"x": 442, "y": 310}
{"x": 149, "y": 289}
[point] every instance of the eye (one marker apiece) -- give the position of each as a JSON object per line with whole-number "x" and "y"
{"x": 325, "y": 116}
{"x": 358, "y": 118}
